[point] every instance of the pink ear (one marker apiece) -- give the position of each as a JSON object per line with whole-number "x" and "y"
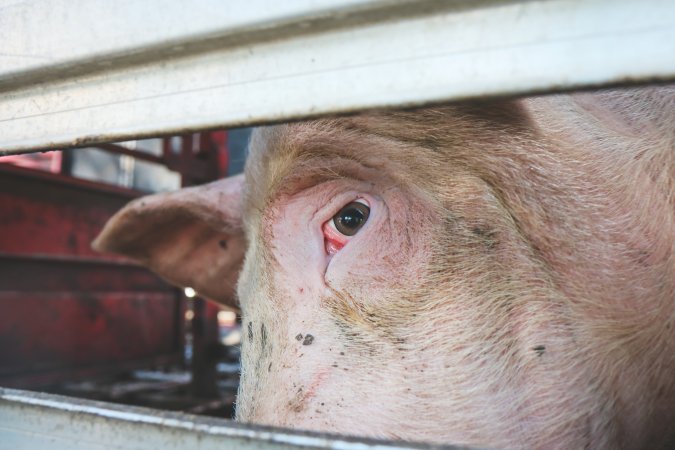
{"x": 191, "y": 237}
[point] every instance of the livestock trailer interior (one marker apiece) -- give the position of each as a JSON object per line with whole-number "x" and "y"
{"x": 81, "y": 323}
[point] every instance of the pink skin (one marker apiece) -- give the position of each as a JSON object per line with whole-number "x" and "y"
{"x": 312, "y": 218}
{"x": 314, "y": 260}
{"x": 401, "y": 356}
{"x": 512, "y": 286}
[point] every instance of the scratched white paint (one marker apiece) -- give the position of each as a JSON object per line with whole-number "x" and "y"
{"x": 329, "y": 60}
{"x": 42, "y": 33}
{"x": 30, "y": 420}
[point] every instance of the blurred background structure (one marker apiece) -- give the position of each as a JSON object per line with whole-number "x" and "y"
{"x": 76, "y": 322}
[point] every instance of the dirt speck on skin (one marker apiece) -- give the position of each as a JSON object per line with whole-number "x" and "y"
{"x": 540, "y": 349}
{"x": 308, "y": 340}
{"x": 298, "y": 337}
{"x": 298, "y": 402}
{"x": 263, "y": 335}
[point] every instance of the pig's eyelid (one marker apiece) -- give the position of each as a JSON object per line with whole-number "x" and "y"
{"x": 316, "y": 213}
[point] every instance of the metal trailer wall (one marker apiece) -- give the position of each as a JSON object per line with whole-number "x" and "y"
{"x": 70, "y": 314}
{"x": 79, "y": 71}
{"x": 32, "y": 421}
{"x": 66, "y": 312}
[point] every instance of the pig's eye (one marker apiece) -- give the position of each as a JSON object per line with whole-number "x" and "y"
{"x": 351, "y": 218}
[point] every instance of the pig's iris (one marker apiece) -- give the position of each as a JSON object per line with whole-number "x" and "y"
{"x": 351, "y": 218}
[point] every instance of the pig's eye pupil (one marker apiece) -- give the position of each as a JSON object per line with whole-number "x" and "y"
{"x": 351, "y": 218}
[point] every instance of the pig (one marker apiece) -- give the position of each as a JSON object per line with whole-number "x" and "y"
{"x": 489, "y": 273}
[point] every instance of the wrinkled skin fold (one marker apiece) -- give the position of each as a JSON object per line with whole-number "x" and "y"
{"x": 513, "y": 285}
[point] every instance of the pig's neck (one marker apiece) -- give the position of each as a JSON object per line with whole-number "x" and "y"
{"x": 605, "y": 225}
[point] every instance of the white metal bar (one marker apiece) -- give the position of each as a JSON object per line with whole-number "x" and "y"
{"x": 30, "y": 420}
{"x": 39, "y": 35}
{"x": 146, "y": 68}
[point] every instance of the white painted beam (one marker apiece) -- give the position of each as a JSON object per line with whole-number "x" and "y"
{"x": 75, "y": 72}
{"x": 30, "y": 420}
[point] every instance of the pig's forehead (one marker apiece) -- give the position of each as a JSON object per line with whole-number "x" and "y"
{"x": 376, "y": 137}
{"x": 279, "y": 151}
{"x": 424, "y": 126}
{"x": 281, "y": 145}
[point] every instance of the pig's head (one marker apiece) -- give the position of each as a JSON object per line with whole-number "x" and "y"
{"x": 496, "y": 274}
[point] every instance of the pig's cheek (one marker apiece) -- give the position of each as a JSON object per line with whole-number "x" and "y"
{"x": 296, "y": 390}
{"x": 298, "y": 249}
{"x": 302, "y": 364}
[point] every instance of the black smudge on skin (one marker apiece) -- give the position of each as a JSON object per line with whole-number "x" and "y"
{"x": 263, "y": 335}
{"x": 308, "y": 340}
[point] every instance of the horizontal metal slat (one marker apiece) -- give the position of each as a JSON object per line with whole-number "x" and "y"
{"x": 63, "y": 273}
{"x": 31, "y": 420}
{"x": 309, "y": 59}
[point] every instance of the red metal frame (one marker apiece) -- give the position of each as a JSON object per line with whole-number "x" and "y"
{"x": 67, "y": 312}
